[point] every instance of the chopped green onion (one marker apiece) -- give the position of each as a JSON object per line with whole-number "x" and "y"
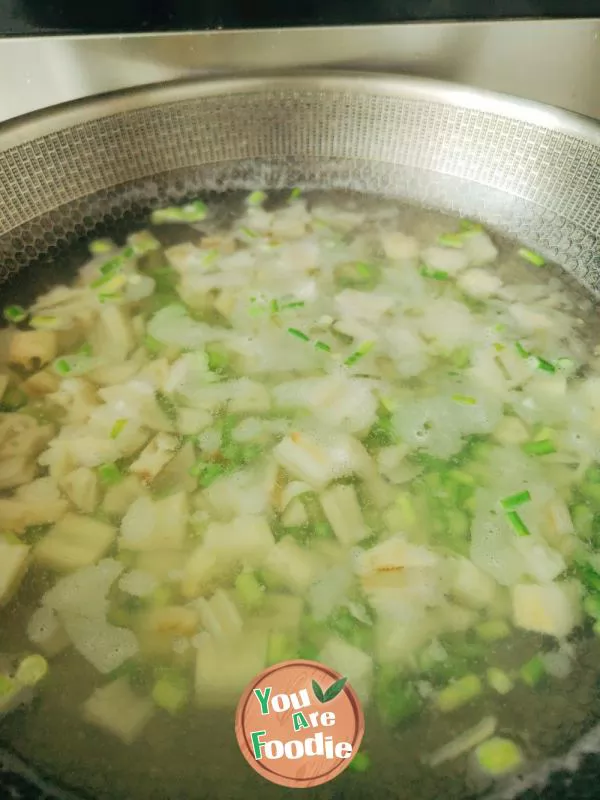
{"x": 166, "y": 405}
{"x": 467, "y": 225}
{"x": 498, "y": 757}
{"x": 542, "y": 447}
{"x": 62, "y": 366}
{"x": 363, "y": 269}
{"x": 109, "y": 474}
{"x": 99, "y": 246}
{"x": 459, "y": 693}
{"x": 191, "y": 212}
{"x": 436, "y": 274}
{"x": 295, "y": 193}
{"x": 361, "y": 351}
{"x": 499, "y": 681}
{"x": 211, "y": 256}
{"x": 256, "y": 198}
{"x": 114, "y": 264}
{"x": 465, "y": 399}
{"x": 295, "y": 304}
{"x": 452, "y": 240}
{"x": 517, "y": 523}
{"x": 521, "y": 350}
{"x": 544, "y": 365}
{"x": 45, "y": 323}
{"x": 15, "y": 314}
{"x": 515, "y": 500}
{"x": 152, "y": 345}
{"x": 493, "y": 630}
{"x": 171, "y": 692}
{"x": 499, "y": 347}
{"x": 533, "y": 671}
{"x": 110, "y": 284}
{"x": 86, "y": 350}
{"x": 298, "y": 334}
{"x": 250, "y": 591}
{"x": 7, "y": 686}
{"x": 531, "y": 257}
{"x": 31, "y": 670}
{"x": 274, "y": 306}
{"x": 322, "y": 346}
{"x": 361, "y": 762}
{"x": 249, "y": 233}
{"x": 207, "y": 473}
{"x": 117, "y": 428}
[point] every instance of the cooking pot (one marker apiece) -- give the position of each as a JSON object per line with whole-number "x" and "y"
{"x": 527, "y": 171}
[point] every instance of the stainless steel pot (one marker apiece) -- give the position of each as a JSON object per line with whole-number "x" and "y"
{"x": 528, "y": 171}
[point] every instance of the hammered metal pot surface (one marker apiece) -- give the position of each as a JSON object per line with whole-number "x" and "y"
{"x": 528, "y": 171}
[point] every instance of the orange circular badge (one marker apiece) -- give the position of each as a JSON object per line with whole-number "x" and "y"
{"x": 299, "y": 724}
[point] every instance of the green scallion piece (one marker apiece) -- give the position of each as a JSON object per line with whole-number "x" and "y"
{"x": 517, "y": 523}
{"x": 117, "y": 428}
{"x": 363, "y": 269}
{"x": 542, "y": 447}
{"x": 467, "y": 225}
{"x": 85, "y": 350}
{"x": 256, "y": 198}
{"x": 294, "y": 304}
{"x": 544, "y": 365}
{"x": 211, "y": 473}
{"x": 62, "y": 366}
{"x": 532, "y": 257}
{"x": 143, "y": 242}
{"x": 195, "y": 211}
{"x": 435, "y": 274}
{"x": 249, "y": 233}
{"x": 298, "y": 334}
{"x": 521, "y": 350}
{"x": 99, "y": 246}
{"x": 322, "y": 346}
{"x": 515, "y": 500}
{"x": 465, "y": 399}
{"x": 361, "y": 351}
{"x": 296, "y": 193}
{"x": 361, "y": 762}
{"x": 453, "y": 240}
{"x": 15, "y": 314}
{"x": 109, "y": 474}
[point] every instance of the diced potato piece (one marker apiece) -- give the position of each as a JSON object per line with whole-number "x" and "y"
{"x": 395, "y": 553}
{"x": 154, "y": 457}
{"x": 118, "y": 498}
{"x": 445, "y": 259}
{"x": 251, "y": 397}
{"x": 291, "y": 565}
{"x": 202, "y": 572}
{"x": 224, "y": 668}
{"x": 310, "y": 461}
{"x": 36, "y": 503}
{"x": 247, "y": 539}
{"x": 81, "y": 487}
{"x": 399, "y": 246}
{"x": 162, "y": 564}
{"x": 155, "y": 524}
{"x": 550, "y": 609}
{"x": 479, "y": 284}
{"x": 280, "y": 612}
{"x": 14, "y": 560}
{"x": 351, "y": 662}
{"x": 32, "y": 349}
{"x": 118, "y": 710}
{"x": 470, "y": 585}
{"x": 219, "y": 615}
{"x": 46, "y": 632}
{"x": 75, "y": 541}
{"x": 40, "y": 384}
{"x": 343, "y": 511}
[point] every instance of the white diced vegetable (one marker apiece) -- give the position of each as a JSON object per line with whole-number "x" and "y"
{"x": 472, "y": 586}
{"x": 75, "y": 541}
{"x": 291, "y": 565}
{"x": 155, "y": 524}
{"x": 81, "y": 487}
{"x": 344, "y": 514}
{"x": 351, "y": 662}
{"x": 551, "y": 609}
{"x": 14, "y": 560}
{"x": 224, "y": 668}
{"x": 118, "y": 710}
{"x": 247, "y": 539}
{"x": 46, "y": 632}
{"x": 154, "y": 457}
{"x": 219, "y": 615}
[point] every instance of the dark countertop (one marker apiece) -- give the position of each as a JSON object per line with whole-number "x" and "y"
{"x": 27, "y": 17}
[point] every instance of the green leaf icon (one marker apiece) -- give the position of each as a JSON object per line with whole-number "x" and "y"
{"x": 330, "y": 693}
{"x": 318, "y": 692}
{"x": 334, "y": 689}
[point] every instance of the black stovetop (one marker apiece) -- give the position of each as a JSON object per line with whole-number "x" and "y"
{"x": 27, "y": 17}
